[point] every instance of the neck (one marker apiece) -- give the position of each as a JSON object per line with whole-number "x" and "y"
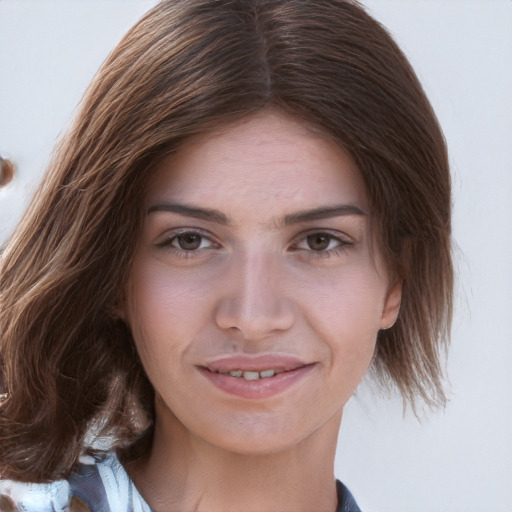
{"x": 184, "y": 473}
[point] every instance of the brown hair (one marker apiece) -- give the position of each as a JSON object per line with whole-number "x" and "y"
{"x": 185, "y": 67}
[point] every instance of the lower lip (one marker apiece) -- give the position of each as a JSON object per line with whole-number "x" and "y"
{"x": 261, "y": 388}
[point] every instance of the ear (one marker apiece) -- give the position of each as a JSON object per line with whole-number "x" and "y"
{"x": 391, "y": 306}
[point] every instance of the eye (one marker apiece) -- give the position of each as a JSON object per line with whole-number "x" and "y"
{"x": 322, "y": 244}
{"x": 187, "y": 242}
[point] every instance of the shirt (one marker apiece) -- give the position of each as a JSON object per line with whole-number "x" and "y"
{"x": 99, "y": 485}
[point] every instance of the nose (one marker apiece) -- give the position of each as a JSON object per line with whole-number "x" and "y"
{"x": 253, "y": 304}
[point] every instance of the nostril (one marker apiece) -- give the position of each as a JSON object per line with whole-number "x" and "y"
{"x": 6, "y": 172}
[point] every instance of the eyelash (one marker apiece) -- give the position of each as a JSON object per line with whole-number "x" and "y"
{"x": 183, "y": 253}
{"x": 342, "y": 242}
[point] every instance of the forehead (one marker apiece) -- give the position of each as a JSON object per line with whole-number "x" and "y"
{"x": 265, "y": 163}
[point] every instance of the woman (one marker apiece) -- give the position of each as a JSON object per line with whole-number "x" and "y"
{"x": 250, "y": 210}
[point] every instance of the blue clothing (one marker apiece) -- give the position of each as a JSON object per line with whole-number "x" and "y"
{"x": 101, "y": 485}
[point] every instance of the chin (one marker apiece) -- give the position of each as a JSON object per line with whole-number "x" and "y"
{"x": 257, "y": 445}
{"x": 260, "y": 435}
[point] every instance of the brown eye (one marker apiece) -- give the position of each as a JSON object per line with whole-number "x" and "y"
{"x": 188, "y": 241}
{"x": 319, "y": 241}
{"x": 322, "y": 244}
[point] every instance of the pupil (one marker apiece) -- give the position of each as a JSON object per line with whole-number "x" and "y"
{"x": 189, "y": 241}
{"x": 318, "y": 242}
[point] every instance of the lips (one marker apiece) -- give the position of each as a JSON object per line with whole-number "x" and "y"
{"x": 279, "y": 362}
{"x": 252, "y": 374}
{"x": 255, "y": 376}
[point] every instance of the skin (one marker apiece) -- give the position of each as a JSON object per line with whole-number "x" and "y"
{"x": 201, "y": 288}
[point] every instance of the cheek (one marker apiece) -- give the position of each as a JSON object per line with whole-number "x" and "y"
{"x": 165, "y": 311}
{"x": 349, "y": 299}
{"x": 344, "y": 309}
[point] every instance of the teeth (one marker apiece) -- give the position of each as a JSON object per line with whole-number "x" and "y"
{"x": 252, "y": 375}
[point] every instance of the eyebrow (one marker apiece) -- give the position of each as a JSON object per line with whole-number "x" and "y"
{"x": 211, "y": 215}
{"x": 192, "y": 211}
{"x": 323, "y": 212}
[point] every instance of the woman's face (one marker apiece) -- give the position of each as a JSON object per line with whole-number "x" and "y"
{"x": 255, "y": 298}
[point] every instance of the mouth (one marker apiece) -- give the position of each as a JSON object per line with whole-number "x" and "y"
{"x": 255, "y": 377}
{"x": 254, "y": 367}
{"x": 251, "y": 374}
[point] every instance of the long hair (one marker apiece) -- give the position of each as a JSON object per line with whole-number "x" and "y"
{"x": 67, "y": 363}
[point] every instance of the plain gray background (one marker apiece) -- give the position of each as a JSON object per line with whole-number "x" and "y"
{"x": 456, "y": 460}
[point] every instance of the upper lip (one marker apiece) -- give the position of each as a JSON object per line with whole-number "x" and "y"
{"x": 260, "y": 362}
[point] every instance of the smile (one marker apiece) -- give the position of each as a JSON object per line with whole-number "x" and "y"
{"x": 251, "y": 374}
{"x": 256, "y": 377}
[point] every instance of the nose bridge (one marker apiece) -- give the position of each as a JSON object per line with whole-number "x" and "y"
{"x": 254, "y": 302}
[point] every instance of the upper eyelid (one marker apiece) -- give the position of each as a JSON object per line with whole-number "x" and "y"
{"x": 170, "y": 234}
{"x": 331, "y": 232}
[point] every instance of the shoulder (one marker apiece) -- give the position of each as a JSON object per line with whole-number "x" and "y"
{"x": 97, "y": 485}
{"x": 346, "y": 502}
{"x": 34, "y": 497}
